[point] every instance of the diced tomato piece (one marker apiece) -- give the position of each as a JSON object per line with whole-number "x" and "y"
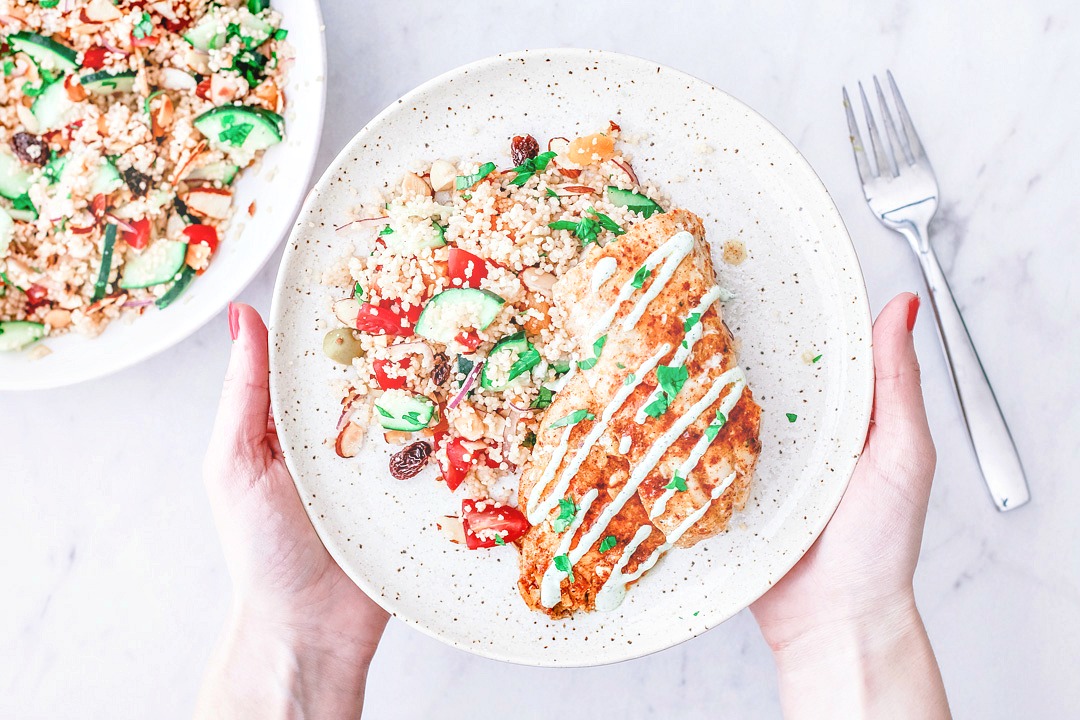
{"x": 205, "y": 234}
{"x": 148, "y": 41}
{"x": 412, "y": 314}
{"x": 36, "y": 296}
{"x": 469, "y": 340}
{"x": 94, "y": 58}
{"x": 466, "y": 269}
{"x": 379, "y": 320}
{"x": 458, "y": 461}
{"x": 139, "y": 236}
{"x": 485, "y": 519}
{"x": 390, "y": 383}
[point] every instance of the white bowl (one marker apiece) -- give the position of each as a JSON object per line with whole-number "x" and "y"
{"x": 277, "y": 186}
{"x": 799, "y": 294}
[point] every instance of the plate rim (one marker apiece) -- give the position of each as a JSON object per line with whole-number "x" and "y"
{"x": 865, "y": 383}
{"x": 197, "y": 323}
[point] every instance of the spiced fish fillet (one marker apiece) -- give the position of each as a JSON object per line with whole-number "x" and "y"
{"x": 650, "y": 447}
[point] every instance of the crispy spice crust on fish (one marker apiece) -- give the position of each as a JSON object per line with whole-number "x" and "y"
{"x": 728, "y": 460}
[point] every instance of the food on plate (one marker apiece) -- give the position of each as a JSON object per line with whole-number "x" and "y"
{"x": 124, "y": 128}
{"x": 547, "y": 322}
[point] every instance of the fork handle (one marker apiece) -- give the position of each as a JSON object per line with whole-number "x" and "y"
{"x": 994, "y": 446}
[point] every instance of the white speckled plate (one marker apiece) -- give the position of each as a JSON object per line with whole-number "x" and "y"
{"x": 799, "y": 294}
{"x": 277, "y": 186}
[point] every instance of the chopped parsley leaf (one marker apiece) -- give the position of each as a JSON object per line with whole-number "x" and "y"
{"x": 714, "y": 427}
{"x": 562, "y": 564}
{"x": 639, "y": 277}
{"x": 526, "y": 361}
{"x": 144, "y": 27}
{"x": 606, "y": 222}
{"x": 691, "y": 320}
{"x": 597, "y": 347}
{"x": 499, "y": 540}
{"x": 607, "y": 543}
{"x": 816, "y": 359}
{"x": 383, "y": 412}
{"x": 543, "y": 399}
{"x": 235, "y": 135}
{"x": 9, "y": 67}
{"x": 657, "y": 407}
{"x": 672, "y": 378}
{"x": 630, "y": 379}
{"x": 358, "y": 291}
{"x": 568, "y": 510}
{"x": 465, "y": 182}
{"x": 281, "y": 34}
{"x": 531, "y": 167}
{"x": 573, "y": 418}
{"x": 792, "y": 417}
{"x": 49, "y": 3}
{"x": 386, "y": 231}
{"x": 620, "y": 366}
{"x": 677, "y": 483}
{"x": 412, "y": 416}
{"x": 551, "y": 193}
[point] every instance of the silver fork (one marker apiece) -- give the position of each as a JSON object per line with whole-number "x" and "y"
{"x": 902, "y": 192}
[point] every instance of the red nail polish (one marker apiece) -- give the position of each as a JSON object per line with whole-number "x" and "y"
{"x": 912, "y": 312}
{"x": 234, "y": 321}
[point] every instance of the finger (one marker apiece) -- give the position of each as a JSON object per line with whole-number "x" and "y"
{"x": 898, "y": 398}
{"x": 240, "y": 428}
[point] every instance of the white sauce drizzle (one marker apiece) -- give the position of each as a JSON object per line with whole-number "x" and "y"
{"x": 648, "y": 462}
{"x": 537, "y": 509}
{"x": 605, "y": 268}
{"x": 550, "y": 585}
{"x": 624, "y": 444}
{"x": 675, "y": 249}
{"x": 685, "y": 348}
{"x": 702, "y": 446}
{"x": 614, "y": 589}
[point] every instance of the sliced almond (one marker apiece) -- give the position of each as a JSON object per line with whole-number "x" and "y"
{"x": 347, "y": 311}
{"x": 349, "y": 440}
{"x": 412, "y": 185}
{"x": 452, "y": 529}
{"x": 177, "y": 79}
{"x": 100, "y": 11}
{"x": 442, "y": 175}
{"x": 209, "y": 202}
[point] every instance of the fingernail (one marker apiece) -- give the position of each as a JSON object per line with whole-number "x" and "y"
{"x": 234, "y": 321}
{"x": 912, "y": 312}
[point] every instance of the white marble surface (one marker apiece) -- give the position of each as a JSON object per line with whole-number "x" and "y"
{"x": 114, "y": 584}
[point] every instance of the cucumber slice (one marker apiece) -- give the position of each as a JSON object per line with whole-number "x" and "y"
{"x": 53, "y": 108}
{"x": 561, "y": 366}
{"x": 14, "y": 178}
{"x": 642, "y": 205}
{"x": 236, "y": 127}
{"x": 23, "y": 215}
{"x": 451, "y": 311}
{"x": 511, "y": 358}
{"x": 7, "y": 232}
{"x": 17, "y": 334}
{"x": 177, "y": 289}
{"x": 104, "y": 82}
{"x": 401, "y": 410}
{"x": 223, "y": 172}
{"x": 257, "y": 6}
{"x": 157, "y": 264}
{"x": 102, "y": 283}
{"x": 46, "y": 52}
{"x": 107, "y": 179}
{"x": 211, "y": 34}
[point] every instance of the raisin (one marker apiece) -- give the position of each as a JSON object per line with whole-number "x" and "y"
{"x": 523, "y": 148}
{"x": 410, "y": 461}
{"x": 139, "y": 183}
{"x": 441, "y": 373}
{"x": 36, "y": 296}
{"x": 30, "y": 148}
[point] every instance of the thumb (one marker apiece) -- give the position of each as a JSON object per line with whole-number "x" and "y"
{"x": 898, "y": 399}
{"x": 240, "y": 428}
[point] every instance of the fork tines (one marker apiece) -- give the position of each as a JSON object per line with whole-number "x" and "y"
{"x": 885, "y": 158}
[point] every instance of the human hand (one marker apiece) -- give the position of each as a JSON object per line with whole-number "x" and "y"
{"x": 848, "y": 604}
{"x": 294, "y": 609}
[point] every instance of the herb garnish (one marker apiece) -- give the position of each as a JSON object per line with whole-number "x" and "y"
{"x": 531, "y": 167}
{"x": 551, "y": 193}
{"x": 49, "y": 3}
{"x": 526, "y": 360}
{"x": 358, "y": 291}
{"x": 144, "y": 27}
{"x": 499, "y": 540}
{"x": 671, "y": 379}
{"x": 792, "y": 417}
{"x": 630, "y": 379}
{"x": 464, "y": 182}
{"x": 412, "y": 416}
{"x": 587, "y": 229}
{"x": 816, "y": 359}
{"x": 543, "y": 399}
{"x": 607, "y": 543}
{"x": 562, "y": 564}
{"x": 714, "y": 427}
{"x": 640, "y": 276}
{"x": 386, "y": 231}
{"x": 597, "y": 347}
{"x": 677, "y": 483}
{"x": 383, "y": 412}
{"x": 691, "y": 320}
{"x": 568, "y": 510}
{"x": 573, "y": 418}
{"x": 235, "y": 135}
{"x": 530, "y": 440}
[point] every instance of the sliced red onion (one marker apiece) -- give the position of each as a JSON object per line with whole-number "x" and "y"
{"x": 467, "y": 385}
{"x": 520, "y": 409}
{"x": 625, "y": 167}
{"x": 120, "y": 223}
{"x": 138, "y": 303}
{"x": 416, "y": 347}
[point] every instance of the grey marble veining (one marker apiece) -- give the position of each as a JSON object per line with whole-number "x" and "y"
{"x": 115, "y": 584}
